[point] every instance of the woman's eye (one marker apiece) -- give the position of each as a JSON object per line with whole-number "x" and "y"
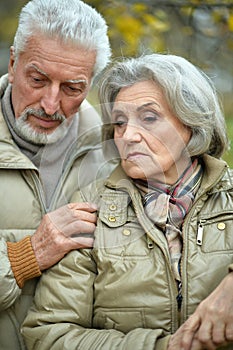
{"x": 119, "y": 123}
{"x": 149, "y": 117}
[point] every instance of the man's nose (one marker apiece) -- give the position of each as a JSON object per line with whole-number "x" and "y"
{"x": 50, "y": 100}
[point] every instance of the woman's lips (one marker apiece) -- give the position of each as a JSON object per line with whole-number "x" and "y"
{"x": 135, "y": 156}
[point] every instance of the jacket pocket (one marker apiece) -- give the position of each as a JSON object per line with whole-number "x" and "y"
{"x": 215, "y": 233}
{"x": 123, "y": 320}
{"x": 118, "y": 232}
{"x": 127, "y": 240}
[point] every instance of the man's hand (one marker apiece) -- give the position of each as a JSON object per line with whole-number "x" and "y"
{"x": 175, "y": 342}
{"x": 65, "y": 229}
{"x": 211, "y": 325}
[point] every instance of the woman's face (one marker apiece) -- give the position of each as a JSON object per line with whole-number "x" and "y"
{"x": 149, "y": 137}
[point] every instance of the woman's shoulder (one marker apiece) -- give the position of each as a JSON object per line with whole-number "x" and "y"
{"x": 89, "y": 193}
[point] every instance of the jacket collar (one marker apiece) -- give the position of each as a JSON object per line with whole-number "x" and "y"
{"x": 214, "y": 170}
{"x": 217, "y": 175}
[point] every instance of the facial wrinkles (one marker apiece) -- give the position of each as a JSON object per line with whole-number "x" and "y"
{"x": 72, "y": 81}
{"x": 166, "y": 124}
{"x": 164, "y": 141}
{"x": 76, "y": 62}
{"x": 59, "y": 71}
{"x": 131, "y": 108}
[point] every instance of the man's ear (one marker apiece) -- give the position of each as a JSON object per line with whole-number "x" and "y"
{"x": 11, "y": 65}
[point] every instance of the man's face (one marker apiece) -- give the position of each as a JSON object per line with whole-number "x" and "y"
{"x": 49, "y": 82}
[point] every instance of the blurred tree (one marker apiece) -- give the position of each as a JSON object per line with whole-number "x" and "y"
{"x": 200, "y": 30}
{"x": 9, "y": 10}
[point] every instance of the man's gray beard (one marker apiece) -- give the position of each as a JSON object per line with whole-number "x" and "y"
{"x": 25, "y": 131}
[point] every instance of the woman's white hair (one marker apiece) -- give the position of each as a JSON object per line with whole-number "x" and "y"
{"x": 70, "y": 21}
{"x": 189, "y": 92}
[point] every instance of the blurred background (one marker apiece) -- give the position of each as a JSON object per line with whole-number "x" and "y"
{"x": 199, "y": 30}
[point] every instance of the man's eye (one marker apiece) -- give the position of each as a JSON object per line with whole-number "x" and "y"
{"x": 74, "y": 89}
{"x": 71, "y": 90}
{"x": 37, "y": 79}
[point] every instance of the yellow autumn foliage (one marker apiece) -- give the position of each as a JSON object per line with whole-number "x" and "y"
{"x": 230, "y": 22}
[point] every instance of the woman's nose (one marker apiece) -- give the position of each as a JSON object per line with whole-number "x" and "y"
{"x": 132, "y": 133}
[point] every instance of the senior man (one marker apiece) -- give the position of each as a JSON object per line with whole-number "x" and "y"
{"x": 49, "y": 145}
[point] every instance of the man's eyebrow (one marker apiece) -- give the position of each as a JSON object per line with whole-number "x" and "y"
{"x": 76, "y": 81}
{"x": 39, "y": 70}
{"x": 72, "y": 81}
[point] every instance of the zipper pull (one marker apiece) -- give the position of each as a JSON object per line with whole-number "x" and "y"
{"x": 199, "y": 234}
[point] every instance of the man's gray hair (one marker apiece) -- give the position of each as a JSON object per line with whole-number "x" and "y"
{"x": 72, "y": 21}
{"x": 189, "y": 92}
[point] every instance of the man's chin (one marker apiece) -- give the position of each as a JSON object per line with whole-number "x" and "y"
{"x": 41, "y": 136}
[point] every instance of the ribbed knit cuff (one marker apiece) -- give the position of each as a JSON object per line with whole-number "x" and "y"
{"x": 23, "y": 261}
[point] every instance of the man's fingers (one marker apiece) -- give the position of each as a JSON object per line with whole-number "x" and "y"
{"x": 218, "y": 333}
{"x": 83, "y": 241}
{"x": 192, "y": 324}
{"x": 84, "y": 216}
{"x": 90, "y": 207}
{"x": 205, "y": 335}
{"x": 229, "y": 332}
{"x": 188, "y": 331}
{"x": 74, "y": 218}
{"x": 79, "y": 227}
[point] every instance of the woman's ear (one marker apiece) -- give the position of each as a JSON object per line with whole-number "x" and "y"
{"x": 11, "y": 65}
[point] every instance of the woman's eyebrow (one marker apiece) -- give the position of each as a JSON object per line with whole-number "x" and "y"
{"x": 140, "y": 108}
{"x": 146, "y": 105}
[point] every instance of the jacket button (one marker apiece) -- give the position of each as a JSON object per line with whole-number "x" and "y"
{"x": 221, "y": 226}
{"x": 112, "y": 218}
{"x": 126, "y": 232}
{"x": 113, "y": 207}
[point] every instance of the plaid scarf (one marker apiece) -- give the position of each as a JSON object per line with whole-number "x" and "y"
{"x": 167, "y": 207}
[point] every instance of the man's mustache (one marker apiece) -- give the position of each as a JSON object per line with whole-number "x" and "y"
{"x": 42, "y": 114}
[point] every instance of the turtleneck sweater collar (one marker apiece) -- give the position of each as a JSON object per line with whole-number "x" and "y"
{"x": 50, "y": 159}
{"x": 29, "y": 149}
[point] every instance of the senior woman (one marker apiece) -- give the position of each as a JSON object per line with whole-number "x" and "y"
{"x": 163, "y": 250}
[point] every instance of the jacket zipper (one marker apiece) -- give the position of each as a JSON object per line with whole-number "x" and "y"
{"x": 203, "y": 222}
{"x": 200, "y": 230}
{"x": 151, "y": 241}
